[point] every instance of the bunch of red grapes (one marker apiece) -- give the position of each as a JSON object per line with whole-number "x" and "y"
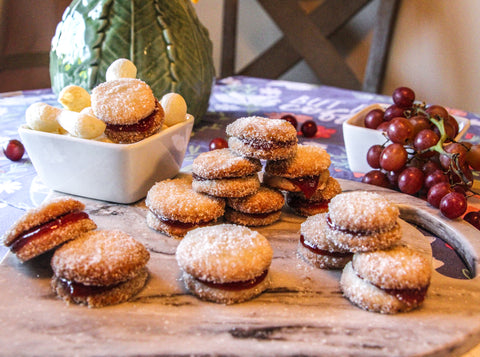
{"x": 420, "y": 155}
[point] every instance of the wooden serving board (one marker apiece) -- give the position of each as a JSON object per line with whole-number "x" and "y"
{"x": 303, "y": 313}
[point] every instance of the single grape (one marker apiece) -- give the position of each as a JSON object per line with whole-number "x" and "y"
{"x": 437, "y": 111}
{"x": 424, "y": 140}
{"x": 435, "y": 177}
{"x": 291, "y": 119}
{"x": 14, "y": 150}
{"x": 400, "y": 130}
{"x": 410, "y": 180}
{"x": 377, "y": 178}
{"x": 453, "y": 205}
{"x": 218, "y": 143}
{"x": 419, "y": 123}
{"x": 393, "y": 111}
{"x": 473, "y": 218}
{"x": 436, "y": 193}
{"x": 373, "y": 118}
{"x": 456, "y": 149}
{"x": 393, "y": 157}
{"x": 472, "y": 157}
{"x": 403, "y": 97}
{"x": 309, "y": 129}
{"x": 454, "y": 124}
{"x": 373, "y": 156}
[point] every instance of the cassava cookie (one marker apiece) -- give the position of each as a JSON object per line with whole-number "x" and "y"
{"x": 223, "y": 173}
{"x": 100, "y": 268}
{"x": 128, "y": 108}
{"x": 175, "y": 208}
{"x": 305, "y": 172}
{"x": 315, "y": 249}
{"x": 387, "y": 281}
{"x": 225, "y": 263}
{"x": 46, "y": 227}
{"x": 362, "y": 221}
{"x": 317, "y": 203}
{"x": 262, "y": 208}
{"x": 262, "y": 138}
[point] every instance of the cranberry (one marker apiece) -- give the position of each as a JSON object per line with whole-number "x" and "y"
{"x": 309, "y": 129}
{"x": 218, "y": 143}
{"x": 291, "y": 119}
{"x": 14, "y": 150}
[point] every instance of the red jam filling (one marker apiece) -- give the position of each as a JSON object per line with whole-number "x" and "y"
{"x": 237, "y": 285}
{"x": 313, "y": 248}
{"x": 45, "y": 228}
{"x": 408, "y": 296}
{"x": 142, "y": 126}
{"x": 81, "y": 290}
{"x": 308, "y": 184}
{"x": 298, "y": 202}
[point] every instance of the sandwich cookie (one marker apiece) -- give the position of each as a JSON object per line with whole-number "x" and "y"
{"x": 262, "y": 208}
{"x": 262, "y": 138}
{"x": 100, "y": 268}
{"x": 317, "y": 203}
{"x": 316, "y": 250}
{"x": 129, "y": 109}
{"x": 387, "y": 281}
{"x": 175, "y": 208}
{"x": 305, "y": 172}
{"x": 223, "y": 173}
{"x": 46, "y": 227}
{"x": 362, "y": 221}
{"x": 225, "y": 263}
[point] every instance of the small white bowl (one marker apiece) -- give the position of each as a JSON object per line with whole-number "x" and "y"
{"x": 359, "y": 139}
{"x": 121, "y": 173}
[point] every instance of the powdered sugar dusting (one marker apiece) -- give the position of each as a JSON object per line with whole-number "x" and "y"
{"x": 224, "y": 253}
{"x": 273, "y": 130}
{"x": 363, "y": 211}
{"x": 224, "y": 163}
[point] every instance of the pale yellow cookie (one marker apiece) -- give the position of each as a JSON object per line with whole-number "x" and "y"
{"x": 74, "y": 98}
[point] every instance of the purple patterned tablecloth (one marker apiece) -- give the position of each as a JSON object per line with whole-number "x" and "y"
{"x": 231, "y": 98}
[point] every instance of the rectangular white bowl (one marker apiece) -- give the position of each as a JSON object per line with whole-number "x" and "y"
{"x": 359, "y": 139}
{"x": 121, "y": 173}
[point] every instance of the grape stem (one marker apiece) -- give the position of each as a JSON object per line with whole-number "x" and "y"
{"x": 439, "y": 146}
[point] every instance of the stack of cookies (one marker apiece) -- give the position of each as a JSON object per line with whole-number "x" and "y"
{"x": 361, "y": 234}
{"x": 91, "y": 267}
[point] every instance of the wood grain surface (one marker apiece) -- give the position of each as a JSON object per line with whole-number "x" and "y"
{"x": 303, "y": 313}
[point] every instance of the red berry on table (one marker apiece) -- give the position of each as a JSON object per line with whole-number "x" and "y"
{"x": 14, "y": 150}
{"x": 453, "y": 205}
{"x": 218, "y": 143}
{"x": 309, "y": 128}
{"x": 473, "y": 218}
{"x": 291, "y": 119}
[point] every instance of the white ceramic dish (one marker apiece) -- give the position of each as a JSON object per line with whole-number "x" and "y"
{"x": 121, "y": 173}
{"x": 359, "y": 139}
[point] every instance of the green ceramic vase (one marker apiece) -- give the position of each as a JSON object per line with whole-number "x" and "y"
{"x": 164, "y": 38}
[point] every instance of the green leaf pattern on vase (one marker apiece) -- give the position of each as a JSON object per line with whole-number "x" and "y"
{"x": 164, "y": 38}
